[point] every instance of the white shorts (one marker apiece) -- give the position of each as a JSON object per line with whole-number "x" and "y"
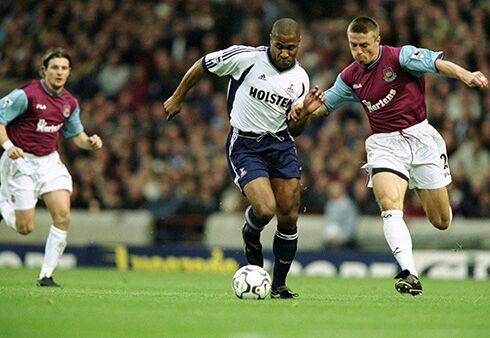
{"x": 24, "y": 180}
{"x": 417, "y": 152}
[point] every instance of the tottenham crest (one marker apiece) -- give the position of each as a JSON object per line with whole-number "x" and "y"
{"x": 389, "y": 74}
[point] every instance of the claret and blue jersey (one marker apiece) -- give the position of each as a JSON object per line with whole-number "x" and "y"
{"x": 35, "y": 117}
{"x": 391, "y": 89}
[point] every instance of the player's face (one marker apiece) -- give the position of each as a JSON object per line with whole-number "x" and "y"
{"x": 364, "y": 46}
{"x": 56, "y": 73}
{"x": 284, "y": 49}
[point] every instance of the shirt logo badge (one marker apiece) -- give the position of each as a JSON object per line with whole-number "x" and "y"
{"x": 66, "y": 111}
{"x": 389, "y": 74}
{"x": 6, "y": 102}
{"x": 41, "y": 106}
{"x": 357, "y": 86}
{"x": 290, "y": 89}
{"x": 262, "y": 77}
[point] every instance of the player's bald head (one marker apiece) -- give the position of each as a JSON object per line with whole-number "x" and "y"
{"x": 285, "y": 26}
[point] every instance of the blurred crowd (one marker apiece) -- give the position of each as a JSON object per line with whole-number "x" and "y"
{"x": 128, "y": 57}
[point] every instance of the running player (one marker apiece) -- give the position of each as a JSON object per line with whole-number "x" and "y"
{"x": 31, "y": 120}
{"x": 264, "y": 83}
{"x": 404, "y": 150}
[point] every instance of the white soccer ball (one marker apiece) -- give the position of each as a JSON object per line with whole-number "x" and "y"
{"x": 251, "y": 282}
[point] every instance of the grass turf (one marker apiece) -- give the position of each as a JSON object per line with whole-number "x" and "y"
{"x": 109, "y": 303}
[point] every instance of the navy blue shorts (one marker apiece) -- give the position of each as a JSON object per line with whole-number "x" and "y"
{"x": 254, "y": 155}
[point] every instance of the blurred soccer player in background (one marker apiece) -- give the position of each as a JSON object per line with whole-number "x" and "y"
{"x": 404, "y": 151}
{"x": 31, "y": 120}
{"x": 264, "y": 83}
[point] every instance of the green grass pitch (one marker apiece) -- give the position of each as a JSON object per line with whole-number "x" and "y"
{"x": 109, "y": 303}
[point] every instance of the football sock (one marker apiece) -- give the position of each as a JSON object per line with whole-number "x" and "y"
{"x": 284, "y": 249}
{"x": 55, "y": 245}
{"x": 252, "y": 226}
{"x": 399, "y": 239}
{"x": 8, "y": 214}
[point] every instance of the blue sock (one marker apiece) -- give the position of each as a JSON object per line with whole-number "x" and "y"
{"x": 284, "y": 249}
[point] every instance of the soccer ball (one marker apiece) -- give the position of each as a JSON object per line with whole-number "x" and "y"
{"x": 251, "y": 282}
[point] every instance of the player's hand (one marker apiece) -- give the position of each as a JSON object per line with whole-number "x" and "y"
{"x": 95, "y": 142}
{"x": 172, "y": 107}
{"x": 295, "y": 112}
{"x": 15, "y": 153}
{"x": 313, "y": 100}
{"x": 477, "y": 79}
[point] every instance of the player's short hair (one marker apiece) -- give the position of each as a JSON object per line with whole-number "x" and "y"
{"x": 56, "y": 52}
{"x": 364, "y": 25}
{"x": 285, "y": 26}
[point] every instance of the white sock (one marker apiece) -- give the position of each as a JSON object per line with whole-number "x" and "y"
{"x": 8, "y": 214}
{"x": 55, "y": 245}
{"x": 450, "y": 215}
{"x": 399, "y": 239}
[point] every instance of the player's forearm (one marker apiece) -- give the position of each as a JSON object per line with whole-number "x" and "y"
{"x": 298, "y": 126}
{"x": 82, "y": 141}
{"x": 451, "y": 69}
{"x": 3, "y": 134}
{"x": 191, "y": 77}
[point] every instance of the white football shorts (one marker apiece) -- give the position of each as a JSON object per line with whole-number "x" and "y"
{"x": 417, "y": 152}
{"x": 25, "y": 179}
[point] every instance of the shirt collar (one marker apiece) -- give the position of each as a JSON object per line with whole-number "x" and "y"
{"x": 49, "y": 91}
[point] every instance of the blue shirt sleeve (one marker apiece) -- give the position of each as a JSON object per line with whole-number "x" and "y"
{"x": 418, "y": 61}
{"x": 73, "y": 126}
{"x": 12, "y": 105}
{"x": 338, "y": 95}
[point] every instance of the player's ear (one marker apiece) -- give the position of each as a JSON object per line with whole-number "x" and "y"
{"x": 42, "y": 71}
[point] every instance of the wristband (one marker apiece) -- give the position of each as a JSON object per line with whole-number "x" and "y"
{"x": 7, "y": 145}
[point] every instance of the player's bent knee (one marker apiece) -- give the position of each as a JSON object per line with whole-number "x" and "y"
{"x": 24, "y": 228}
{"x": 441, "y": 223}
{"x": 264, "y": 212}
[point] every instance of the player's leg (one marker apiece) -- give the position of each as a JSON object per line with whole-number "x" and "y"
{"x": 249, "y": 172}
{"x": 436, "y": 206}
{"x": 259, "y": 213}
{"x": 18, "y": 198}
{"x": 389, "y": 190}
{"x": 287, "y": 194}
{"x": 58, "y": 203}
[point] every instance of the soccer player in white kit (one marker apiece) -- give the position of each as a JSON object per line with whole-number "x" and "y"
{"x": 31, "y": 119}
{"x": 263, "y": 162}
{"x": 404, "y": 151}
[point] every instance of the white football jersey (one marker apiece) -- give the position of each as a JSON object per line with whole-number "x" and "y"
{"x": 259, "y": 93}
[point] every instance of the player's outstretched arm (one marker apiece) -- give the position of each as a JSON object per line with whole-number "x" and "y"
{"x": 471, "y": 79}
{"x": 86, "y": 142}
{"x": 300, "y": 115}
{"x": 173, "y": 104}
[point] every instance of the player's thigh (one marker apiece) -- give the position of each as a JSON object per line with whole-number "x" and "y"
{"x": 389, "y": 190}
{"x": 436, "y": 206}
{"x": 260, "y": 195}
{"x": 58, "y": 203}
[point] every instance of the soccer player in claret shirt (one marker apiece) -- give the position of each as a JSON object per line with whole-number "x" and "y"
{"x": 31, "y": 120}
{"x": 404, "y": 151}
{"x": 264, "y": 83}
